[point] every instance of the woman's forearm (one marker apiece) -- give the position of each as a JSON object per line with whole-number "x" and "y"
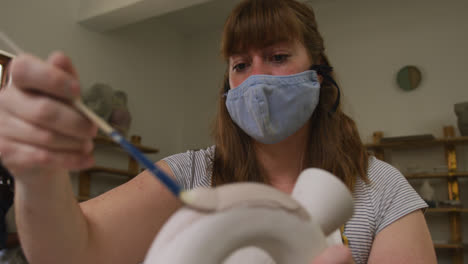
{"x": 51, "y": 226}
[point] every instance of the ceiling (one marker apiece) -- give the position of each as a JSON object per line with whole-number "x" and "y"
{"x": 184, "y": 15}
{"x": 208, "y": 16}
{"x": 188, "y": 17}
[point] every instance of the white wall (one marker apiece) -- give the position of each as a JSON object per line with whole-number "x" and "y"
{"x": 205, "y": 71}
{"x": 369, "y": 41}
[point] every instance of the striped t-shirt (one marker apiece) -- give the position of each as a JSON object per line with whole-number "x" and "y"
{"x": 386, "y": 199}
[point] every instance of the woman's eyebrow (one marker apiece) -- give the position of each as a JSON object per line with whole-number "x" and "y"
{"x": 237, "y": 56}
{"x": 281, "y": 45}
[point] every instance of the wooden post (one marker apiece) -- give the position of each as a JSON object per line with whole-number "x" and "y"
{"x": 376, "y": 138}
{"x": 449, "y": 132}
{"x": 133, "y": 166}
{"x": 454, "y": 194}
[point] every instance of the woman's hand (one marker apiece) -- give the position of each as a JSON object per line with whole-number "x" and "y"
{"x": 39, "y": 128}
{"x": 338, "y": 254}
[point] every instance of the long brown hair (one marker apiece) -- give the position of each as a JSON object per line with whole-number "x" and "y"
{"x": 333, "y": 144}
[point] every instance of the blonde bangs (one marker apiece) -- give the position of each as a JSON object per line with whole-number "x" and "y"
{"x": 259, "y": 24}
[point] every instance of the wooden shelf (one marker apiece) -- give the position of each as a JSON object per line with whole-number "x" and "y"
{"x": 436, "y": 175}
{"x": 111, "y": 170}
{"x": 107, "y": 141}
{"x": 419, "y": 143}
{"x": 448, "y": 246}
{"x": 447, "y": 210}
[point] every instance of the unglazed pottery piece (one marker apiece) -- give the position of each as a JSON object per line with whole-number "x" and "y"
{"x": 255, "y": 223}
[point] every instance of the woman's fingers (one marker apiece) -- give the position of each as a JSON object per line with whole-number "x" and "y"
{"x": 39, "y": 127}
{"x": 19, "y": 157}
{"x": 60, "y": 60}
{"x": 337, "y": 254}
{"x": 30, "y": 73}
{"x": 46, "y": 113}
{"x": 19, "y": 130}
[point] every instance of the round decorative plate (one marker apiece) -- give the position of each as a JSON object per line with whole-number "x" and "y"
{"x": 409, "y": 78}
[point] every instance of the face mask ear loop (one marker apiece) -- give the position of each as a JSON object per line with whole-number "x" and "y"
{"x": 324, "y": 71}
{"x": 338, "y": 96}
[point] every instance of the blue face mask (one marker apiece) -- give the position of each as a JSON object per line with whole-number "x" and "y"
{"x": 271, "y": 108}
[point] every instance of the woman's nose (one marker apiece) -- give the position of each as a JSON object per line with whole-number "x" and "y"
{"x": 259, "y": 66}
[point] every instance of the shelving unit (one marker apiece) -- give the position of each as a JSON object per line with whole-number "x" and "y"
{"x": 449, "y": 142}
{"x": 132, "y": 171}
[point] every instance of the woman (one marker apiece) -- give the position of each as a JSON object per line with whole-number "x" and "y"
{"x": 262, "y": 39}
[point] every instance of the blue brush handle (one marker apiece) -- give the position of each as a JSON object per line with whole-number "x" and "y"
{"x": 136, "y": 154}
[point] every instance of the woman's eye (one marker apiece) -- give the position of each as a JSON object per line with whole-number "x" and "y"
{"x": 279, "y": 58}
{"x": 239, "y": 67}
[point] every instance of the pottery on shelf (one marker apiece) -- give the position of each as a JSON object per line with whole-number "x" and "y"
{"x": 110, "y": 105}
{"x": 461, "y": 110}
{"x": 426, "y": 191}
